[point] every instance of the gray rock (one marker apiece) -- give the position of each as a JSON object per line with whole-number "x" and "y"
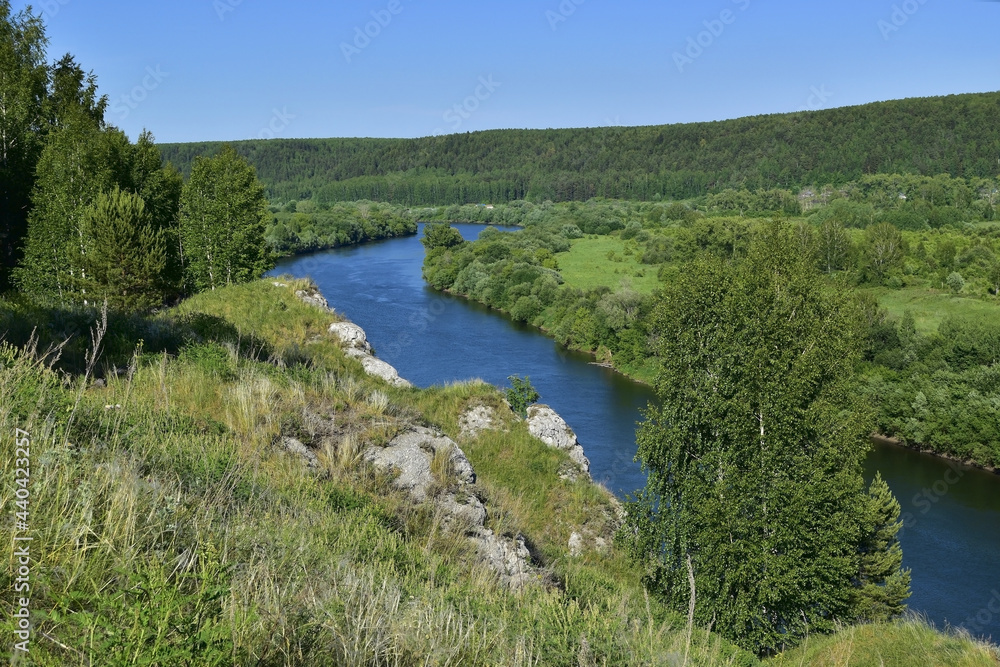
{"x": 469, "y": 513}
{"x": 313, "y": 298}
{"x": 508, "y": 557}
{"x": 410, "y": 454}
{"x": 545, "y": 424}
{"x": 351, "y": 336}
{"x": 356, "y": 345}
{"x": 298, "y": 448}
{"x": 383, "y": 370}
{"x": 575, "y": 544}
{"x": 476, "y": 420}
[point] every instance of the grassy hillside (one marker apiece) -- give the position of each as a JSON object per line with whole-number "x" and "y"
{"x": 170, "y": 528}
{"x": 955, "y": 135}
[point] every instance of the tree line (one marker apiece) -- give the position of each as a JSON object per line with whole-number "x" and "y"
{"x": 956, "y": 136}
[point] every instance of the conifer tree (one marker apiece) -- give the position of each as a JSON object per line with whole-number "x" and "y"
{"x": 882, "y": 585}
{"x": 22, "y": 99}
{"x": 80, "y": 160}
{"x": 124, "y": 254}
{"x": 223, "y": 217}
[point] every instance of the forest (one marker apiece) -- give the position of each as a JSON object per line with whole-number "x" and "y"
{"x": 955, "y": 135}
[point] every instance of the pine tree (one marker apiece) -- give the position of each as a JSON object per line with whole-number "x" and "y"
{"x": 882, "y": 584}
{"x": 160, "y": 188}
{"x": 80, "y": 160}
{"x": 754, "y": 456}
{"x": 223, "y": 217}
{"x": 123, "y": 256}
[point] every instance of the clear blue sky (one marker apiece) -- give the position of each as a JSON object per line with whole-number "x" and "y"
{"x": 193, "y": 70}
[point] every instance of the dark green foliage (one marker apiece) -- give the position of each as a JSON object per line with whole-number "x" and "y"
{"x": 124, "y": 255}
{"x": 79, "y": 162}
{"x": 36, "y": 99}
{"x": 884, "y": 249}
{"x": 882, "y": 584}
{"x": 521, "y": 394}
{"x": 223, "y": 215}
{"x": 441, "y": 236}
{"x": 754, "y": 457}
{"x": 23, "y": 88}
{"x": 103, "y": 222}
{"x": 957, "y": 135}
{"x": 941, "y": 390}
{"x": 345, "y": 223}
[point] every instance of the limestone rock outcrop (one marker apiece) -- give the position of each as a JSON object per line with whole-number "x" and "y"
{"x": 476, "y": 420}
{"x": 314, "y": 298}
{"x": 545, "y": 424}
{"x": 410, "y": 456}
{"x": 356, "y": 345}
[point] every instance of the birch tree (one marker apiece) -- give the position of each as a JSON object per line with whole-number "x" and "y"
{"x": 223, "y": 216}
{"x": 754, "y": 456}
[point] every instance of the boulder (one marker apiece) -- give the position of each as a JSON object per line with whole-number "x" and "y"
{"x": 313, "y": 298}
{"x": 351, "y": 336}
{"x": 507, "y": 556}
{"x": 356, "y": 345}
{"x": 298, "y": 448}
{"x": 545, "y": 424}
{"x": 575, "y": 544}
{"x": 410, "y": 455}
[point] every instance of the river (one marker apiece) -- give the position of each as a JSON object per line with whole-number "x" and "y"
{"x": 951, "y": 537}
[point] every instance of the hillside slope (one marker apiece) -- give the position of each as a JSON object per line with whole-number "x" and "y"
{"x": 956, "y": 135}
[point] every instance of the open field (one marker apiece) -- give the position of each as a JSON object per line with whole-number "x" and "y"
{"x": 588, "y": 265}
{"x": 930, "y": 307}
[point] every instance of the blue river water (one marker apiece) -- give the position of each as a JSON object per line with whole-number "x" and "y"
{"x": 951, "y": 534}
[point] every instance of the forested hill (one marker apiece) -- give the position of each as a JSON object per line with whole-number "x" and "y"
{"x": 957, "y": 135}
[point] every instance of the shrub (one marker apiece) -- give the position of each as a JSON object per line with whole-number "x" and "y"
{"x": 521, "y": 394}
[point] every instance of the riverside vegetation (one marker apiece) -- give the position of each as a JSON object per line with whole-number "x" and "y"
{"x": 591, "y": 273}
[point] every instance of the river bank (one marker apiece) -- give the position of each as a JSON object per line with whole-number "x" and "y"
{"x": 435, "y": 338}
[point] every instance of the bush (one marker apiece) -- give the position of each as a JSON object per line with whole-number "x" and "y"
{"x": 521, "y": 394}
{"x": 955, "y": 282}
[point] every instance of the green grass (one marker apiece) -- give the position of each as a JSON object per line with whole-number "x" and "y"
{"x": 587, "y": 265}
{"x": 930, "y": 307}
{"x": 173, "y": 530}
{"x": 169, "y": 529}
{"x": 905, "y": 643}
